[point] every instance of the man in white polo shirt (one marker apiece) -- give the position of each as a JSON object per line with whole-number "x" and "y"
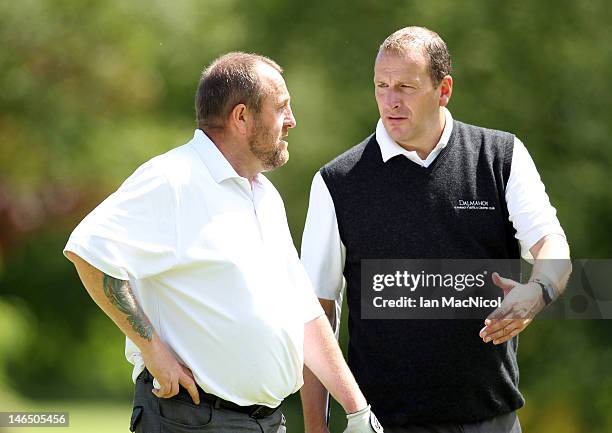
{"x": 193, "y": 260}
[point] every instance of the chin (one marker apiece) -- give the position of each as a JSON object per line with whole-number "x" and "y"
{"x": 396, "y": 131}
{"x": 401, "y": 136}
{"x": 398, "y": 138}
{"x": 283, "y": 158}
{"x": 279, "y": 160}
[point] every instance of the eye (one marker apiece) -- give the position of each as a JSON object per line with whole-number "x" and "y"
{"x": 381, "y": 85}
{"x": 406, "y": 86}
{"x": 282, "y": 105}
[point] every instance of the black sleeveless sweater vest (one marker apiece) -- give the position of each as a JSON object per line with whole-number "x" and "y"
{"x": 427, "y": 371}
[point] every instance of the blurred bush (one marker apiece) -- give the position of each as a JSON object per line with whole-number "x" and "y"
{"x": 16, "y": 334}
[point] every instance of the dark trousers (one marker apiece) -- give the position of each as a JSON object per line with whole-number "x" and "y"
{"x": 508, "y": 423}
{"x": 180, "y": 414}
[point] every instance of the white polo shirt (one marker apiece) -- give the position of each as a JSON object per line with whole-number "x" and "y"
{"x": 323, "y": 252}
{"x": 211, "y": 261}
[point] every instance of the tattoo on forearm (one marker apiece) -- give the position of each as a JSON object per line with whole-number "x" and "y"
{"x": 121, "y": 296}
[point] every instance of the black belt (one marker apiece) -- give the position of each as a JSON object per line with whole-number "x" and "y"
{"x": 256, "y": 411}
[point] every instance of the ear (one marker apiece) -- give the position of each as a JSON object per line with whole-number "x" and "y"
{"x": 446, "y": 90}
{"x": 239, "y": 117}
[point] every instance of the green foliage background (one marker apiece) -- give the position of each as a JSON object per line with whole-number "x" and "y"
{"x": 91, "y": 89}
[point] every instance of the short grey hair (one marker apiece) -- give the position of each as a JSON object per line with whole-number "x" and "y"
{"x": 433, "y": 47}
{"x": 230, "y": 80}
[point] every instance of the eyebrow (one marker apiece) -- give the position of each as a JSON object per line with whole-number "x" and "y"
{"x": 404, "y": 81}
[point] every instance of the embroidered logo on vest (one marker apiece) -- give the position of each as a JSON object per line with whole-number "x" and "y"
{"x": 473, "y": 205}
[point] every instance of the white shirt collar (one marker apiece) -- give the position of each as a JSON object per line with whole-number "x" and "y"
{"x": 389, "y": 148}
{"x": 219, "y": 167}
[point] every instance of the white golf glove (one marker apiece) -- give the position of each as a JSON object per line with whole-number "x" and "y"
{"x": 363, "y": 421}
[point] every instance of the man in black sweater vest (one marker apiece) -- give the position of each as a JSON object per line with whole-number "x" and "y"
{"x": 399, "y": 195}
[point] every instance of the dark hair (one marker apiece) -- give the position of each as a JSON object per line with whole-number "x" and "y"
{"x": 434, "y": 49}
{"x": 230, "y": 80}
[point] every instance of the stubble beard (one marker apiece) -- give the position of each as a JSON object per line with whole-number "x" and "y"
{"x": 267, "y": 148}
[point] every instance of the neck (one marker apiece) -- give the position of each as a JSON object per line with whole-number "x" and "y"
{"x": 236, "y": 152}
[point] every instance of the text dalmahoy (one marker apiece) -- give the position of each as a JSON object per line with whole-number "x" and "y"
{"x": 473, "y": 205}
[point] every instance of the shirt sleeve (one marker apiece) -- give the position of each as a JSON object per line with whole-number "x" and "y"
{"x": 323, "y": 252}
{"x": 133, "y": 232}
{"x": 531, "y": 213}
{"x": 309, "y": 302}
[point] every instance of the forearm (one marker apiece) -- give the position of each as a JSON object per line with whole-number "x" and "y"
{"x": 313, "y": 394}
{"x": 314, "y": 403}
{"x": 552, "y": 261}
{"x": 324, "y": 359}
{"x": 116, "y": 299}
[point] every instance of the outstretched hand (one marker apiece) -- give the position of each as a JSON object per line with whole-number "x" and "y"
{"x": 520, "y": 305}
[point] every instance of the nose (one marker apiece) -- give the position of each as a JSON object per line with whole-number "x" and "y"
{"x": 289, "y": 119}
{"x": 392, "y": 100}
